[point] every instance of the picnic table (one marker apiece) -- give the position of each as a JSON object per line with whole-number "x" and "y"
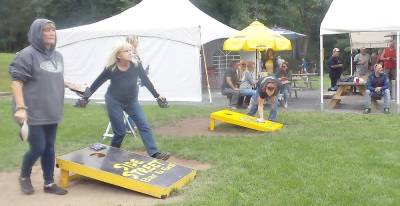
{"x": 304, "y": 77}
{"x": 345, "y": 88}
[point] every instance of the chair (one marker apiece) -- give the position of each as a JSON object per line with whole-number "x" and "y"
{"x": 130, "y": 128}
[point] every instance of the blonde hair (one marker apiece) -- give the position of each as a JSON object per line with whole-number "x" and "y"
{"x": 132, "y": 39}
{"x": 113, "y": 58}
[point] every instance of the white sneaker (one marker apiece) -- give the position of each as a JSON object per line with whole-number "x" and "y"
{"x": 285, "y": 105}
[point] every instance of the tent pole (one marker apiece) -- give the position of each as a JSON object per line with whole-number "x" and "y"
{"x": 351, "y": 61}
{"x": 351, "y": 56}
{"x": 205, "y": 67}
{"x": 321, "y": 68}
{"x": 397, "y": 71}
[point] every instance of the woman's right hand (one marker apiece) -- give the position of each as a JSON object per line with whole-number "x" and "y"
{"x": 20, "y": 115}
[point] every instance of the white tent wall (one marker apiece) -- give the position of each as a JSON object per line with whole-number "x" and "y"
{"x": 170, "y": 37}
{"x": 344, "y": 16}
{"x": 370, "y": 39}
{"x": 174, "y": 68}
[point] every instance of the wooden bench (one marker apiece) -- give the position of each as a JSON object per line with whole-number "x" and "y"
{"x": 334, "y": 101}
{"x": 374, "y": 103}
{"x": 329, "y": 95}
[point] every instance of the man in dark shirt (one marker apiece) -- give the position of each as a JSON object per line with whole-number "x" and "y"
{"x": 377, "y": 86}
{"x": 230, "y": 85}
{"x": 267, "y": 89}
{"x": 335, "y": 68}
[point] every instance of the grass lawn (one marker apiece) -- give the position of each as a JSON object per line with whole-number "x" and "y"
{"x": 317, "y": 159}
{"x": 5, "y": 60}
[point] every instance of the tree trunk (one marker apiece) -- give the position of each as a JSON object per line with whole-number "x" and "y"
{"x": 305, "y": 45}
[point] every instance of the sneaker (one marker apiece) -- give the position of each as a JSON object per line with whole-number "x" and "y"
{"x": 367, "y": 110}
{"x": 54, "y": 189}
{"x": 285, "y": 105}
{"x": 161, "y": 155}
{"x": 26, "y": 185}
{"x": 386, "y": 110}
{"x": 232, "y": 107}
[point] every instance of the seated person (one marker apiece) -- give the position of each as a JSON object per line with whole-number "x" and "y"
{"x": 267, "y": 88}
{"x": 285, "y": 76}
{"x": 230, "y": 85}
{"x": 247, "y": 81}
{"x": 377, "y": 86}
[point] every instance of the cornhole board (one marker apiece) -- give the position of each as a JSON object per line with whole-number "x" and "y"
{"x": 125, "y": 169}
{"x": 243, "y": 120}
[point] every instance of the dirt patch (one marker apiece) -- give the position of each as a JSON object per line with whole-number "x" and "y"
{"x": 83, "y": 191}
{"x": 199, "y": 126}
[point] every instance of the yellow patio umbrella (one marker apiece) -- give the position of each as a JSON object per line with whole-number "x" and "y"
{"x": 257, "y": 37}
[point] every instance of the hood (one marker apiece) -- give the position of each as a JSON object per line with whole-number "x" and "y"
{"x": 35, "y": 36}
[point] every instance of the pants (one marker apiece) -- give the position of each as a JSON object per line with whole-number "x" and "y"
{"x": 254, "y": 106}
{"x": 233, "y": 93}
{"x": 285, "y": 91}
{"x": 115, "y": 111}
{"x": 391, "y": 73}
{"x": 41, "y": 140}
{"x": 385, "y": 94}
{"x": 334, "y": 76}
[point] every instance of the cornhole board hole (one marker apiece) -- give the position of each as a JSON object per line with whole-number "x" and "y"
{"x": 243, "y": 120}
{"x": 125, "y": 169}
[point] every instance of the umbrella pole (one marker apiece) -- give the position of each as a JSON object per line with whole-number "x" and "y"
{"x": 256, "y": 62}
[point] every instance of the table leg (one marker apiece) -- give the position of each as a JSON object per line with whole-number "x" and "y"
{"x": 337, "y": 97}
{"x": 212, "y": 124}
{"x": 64, "y": 178}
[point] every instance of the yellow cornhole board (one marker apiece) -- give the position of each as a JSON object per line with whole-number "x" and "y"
{"x": 243, "y": 120}
{"x": 125, "y": 169}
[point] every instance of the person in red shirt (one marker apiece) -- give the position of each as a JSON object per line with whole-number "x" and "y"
{"x": 388, "y": 57}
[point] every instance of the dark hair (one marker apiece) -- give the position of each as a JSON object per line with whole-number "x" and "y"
{"x": 234, "y": 62}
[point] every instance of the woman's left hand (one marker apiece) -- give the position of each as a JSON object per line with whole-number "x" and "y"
{"x": 162, "y": 102}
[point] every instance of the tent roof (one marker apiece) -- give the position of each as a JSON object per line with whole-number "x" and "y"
{"x": 156, "y": 18}
{"x": 361, "y": 17}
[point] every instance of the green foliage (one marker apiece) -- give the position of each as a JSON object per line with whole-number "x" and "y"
{"x": 17, "y": 15}
{"x": 303, "y": 16}
{"x": 5, "y": 60}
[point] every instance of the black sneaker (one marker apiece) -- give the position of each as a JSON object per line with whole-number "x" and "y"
{"x": 367, "y": 110}
{"x": 26, "y": 185}
{"x": 161, "y": 155}
{"x": 386, "y": 110}
{"x": 54, "y": 189}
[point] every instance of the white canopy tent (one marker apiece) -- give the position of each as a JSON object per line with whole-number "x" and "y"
{"x": 171, "y": 35}
{"x": 356, "y": 17}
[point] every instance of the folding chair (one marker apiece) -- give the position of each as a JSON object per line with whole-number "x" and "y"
{"x": 130, "y": 129}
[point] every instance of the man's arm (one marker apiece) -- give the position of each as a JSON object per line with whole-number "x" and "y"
{"x": 385, "y": 83}
{"x": 20, "y": 113}
{"x": 369, "y": 84}
{"x": 382, "y": 57}
{"x": 229, "y": 81}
